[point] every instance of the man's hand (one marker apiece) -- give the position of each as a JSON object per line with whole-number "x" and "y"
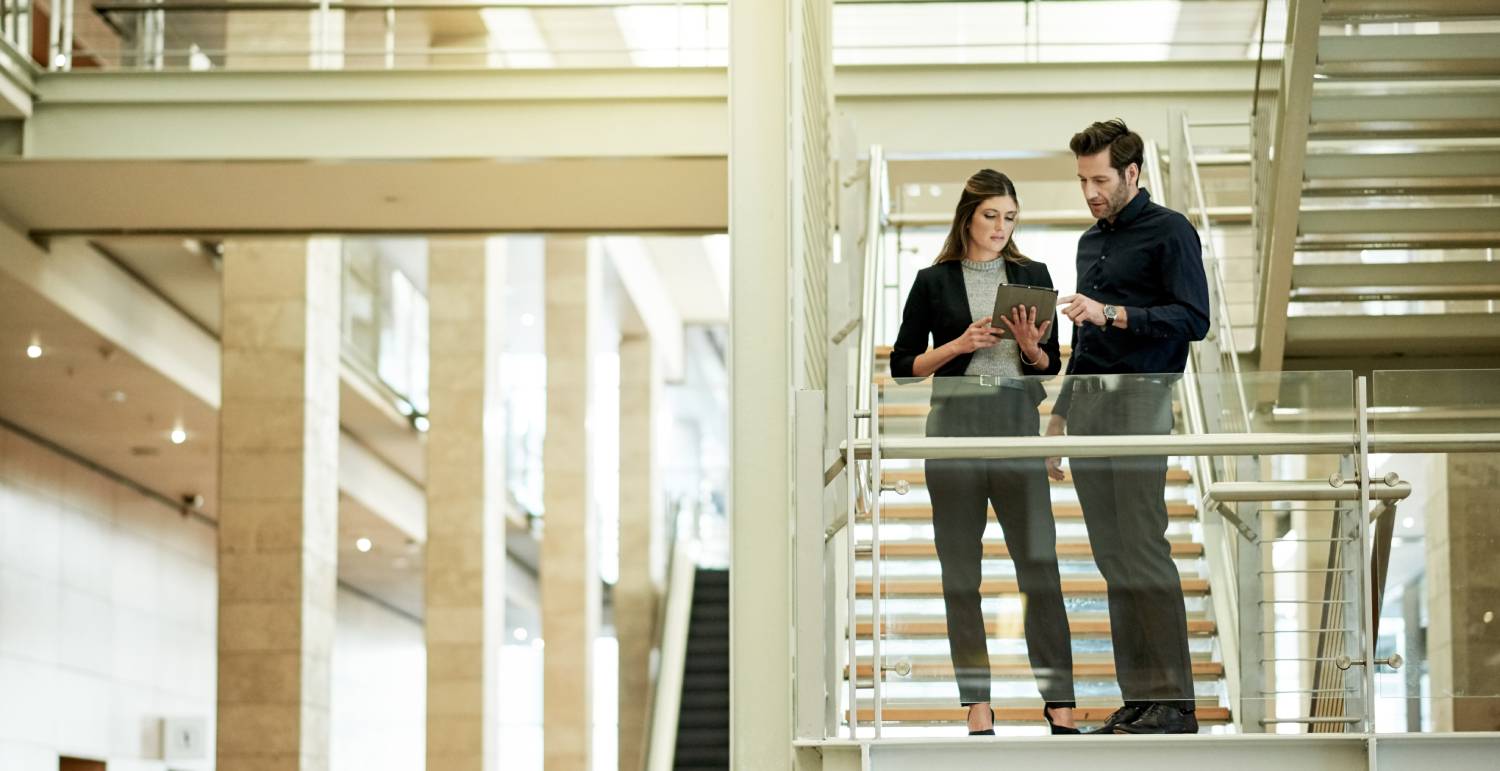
{"x": 1082, "y": 309}
{"x": 1056, "y": 427}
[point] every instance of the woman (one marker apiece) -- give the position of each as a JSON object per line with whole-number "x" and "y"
{"x": 951, "y": 302}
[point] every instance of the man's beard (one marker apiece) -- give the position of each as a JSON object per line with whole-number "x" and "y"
{"x": 1116, "y": 202}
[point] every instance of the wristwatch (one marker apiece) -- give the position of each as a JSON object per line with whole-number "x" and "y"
{"x": 1110, "y": 312}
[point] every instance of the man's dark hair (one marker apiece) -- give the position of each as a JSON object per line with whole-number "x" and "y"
{"x": 1125, "y": 146}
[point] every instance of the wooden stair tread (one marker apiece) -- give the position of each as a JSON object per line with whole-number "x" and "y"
{"x": 1018, "y": 666}
{"x": 933, "y": 587}
{"x": 921, "y": 512}
{"x": 918, "y": 477}
{"x": 999, "y": 549}
{"x": 1033, "y": 715}
{"x": 1093, "y": 627}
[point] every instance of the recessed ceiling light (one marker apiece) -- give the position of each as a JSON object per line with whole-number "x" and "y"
{"x": 1408, "y": 523}
{"x": 519, "y": 634}
{"x": 404, "y": 407}
{"x": 178, "y": 435}
{"x": 538, "y": 643}
{"x": 33, "y": 351}
{"x": 422, "y": 423}
{"x": 363, "y": 544}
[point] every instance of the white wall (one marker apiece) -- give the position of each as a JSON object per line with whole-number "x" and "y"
{"x": 107, "y": 616}
{"x": 379, "y": 688}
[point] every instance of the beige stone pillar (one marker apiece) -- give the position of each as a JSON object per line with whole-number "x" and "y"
{"x": 278, "y": 504}
{"x": 635, "y": 593}
{"x": 570, "y": 575}
{"x": 465, "y": 557}
{"x": 1463, "y": 640}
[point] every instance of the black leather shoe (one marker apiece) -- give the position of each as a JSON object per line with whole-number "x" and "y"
{"x": 988, "y": 731}
{"x": 1123, "y": 715}
{"x": 1161, "y": 719}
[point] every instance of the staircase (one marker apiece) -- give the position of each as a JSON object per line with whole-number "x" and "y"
{"x": 920, "y": 695}
{"x": 703, "y": 718}
{"x": 1400, "y": 213}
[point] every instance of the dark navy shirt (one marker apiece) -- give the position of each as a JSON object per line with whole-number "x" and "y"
{"x": 1149, "y": 262}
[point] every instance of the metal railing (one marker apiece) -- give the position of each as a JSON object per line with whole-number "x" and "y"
{"x": 1340, "y": 639}
{"x": 1225, "y": 339}
{"x": 15, "y": 25}
{"x": 180, "y": 34}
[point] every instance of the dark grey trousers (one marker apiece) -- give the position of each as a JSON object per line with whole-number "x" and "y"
{"x": 1124, "y": 507}
{"x": 962, "y": 491}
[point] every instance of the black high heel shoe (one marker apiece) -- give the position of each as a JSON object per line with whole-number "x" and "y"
{"x": 988, "y": 731}
{"x": 1057, "y": 730}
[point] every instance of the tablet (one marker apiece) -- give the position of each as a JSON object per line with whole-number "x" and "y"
{"x": 1011, "y": 295}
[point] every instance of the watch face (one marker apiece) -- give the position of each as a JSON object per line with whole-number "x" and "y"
{"x": 1110, "y": 312}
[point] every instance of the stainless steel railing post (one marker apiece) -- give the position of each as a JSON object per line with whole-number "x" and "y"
{"x": 1361, "y": 561}
{"x": 851, "y": 475}
{"x": 877, "y": 487}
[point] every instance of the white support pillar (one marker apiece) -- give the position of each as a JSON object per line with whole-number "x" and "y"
{"x": 780, "y": 208}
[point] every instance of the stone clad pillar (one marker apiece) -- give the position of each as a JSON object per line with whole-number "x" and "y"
{"x": 1463, "y": 638}
{"x": 465, "y": 557}
{"x": 635, "y": 593}
{"x": 570, "y": 574}
{"x": 278, "y": 504}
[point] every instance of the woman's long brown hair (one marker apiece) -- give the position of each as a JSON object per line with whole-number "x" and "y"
{"x": 985, "y": 184}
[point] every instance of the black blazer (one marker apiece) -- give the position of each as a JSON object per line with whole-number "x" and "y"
{"x": 938, "y": 306}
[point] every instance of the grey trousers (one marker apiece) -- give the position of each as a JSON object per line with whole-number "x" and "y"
{"x": 1124, "y": 508}
{"x": 962, "y": 492}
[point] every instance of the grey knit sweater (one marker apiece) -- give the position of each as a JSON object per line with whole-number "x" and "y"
{"x": 982, "y": 280}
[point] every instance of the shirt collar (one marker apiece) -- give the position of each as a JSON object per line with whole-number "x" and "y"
{"x": 1128, "y": 214}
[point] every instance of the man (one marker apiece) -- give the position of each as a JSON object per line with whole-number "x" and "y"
{"x": 1141, "y": 299}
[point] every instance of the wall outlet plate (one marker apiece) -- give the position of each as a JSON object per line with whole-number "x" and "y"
{"x": 184, "y": 738}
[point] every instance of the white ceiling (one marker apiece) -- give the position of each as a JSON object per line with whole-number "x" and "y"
{"x": 100, "y": 402}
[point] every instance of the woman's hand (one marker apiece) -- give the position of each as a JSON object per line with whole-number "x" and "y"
{"x": 979, "y": 335}
{"x": 1022, "y": 325}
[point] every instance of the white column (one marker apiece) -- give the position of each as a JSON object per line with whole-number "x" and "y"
{"x": 780, "y": 221}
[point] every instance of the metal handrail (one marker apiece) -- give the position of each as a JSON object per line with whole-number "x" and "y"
{"x": 1328, "y": 443}
{"x": 874, "y": 223}
{"x": 862, "y": 489}
{"x": 1260, "y": 56}
{"x": 1226, "y": 327}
